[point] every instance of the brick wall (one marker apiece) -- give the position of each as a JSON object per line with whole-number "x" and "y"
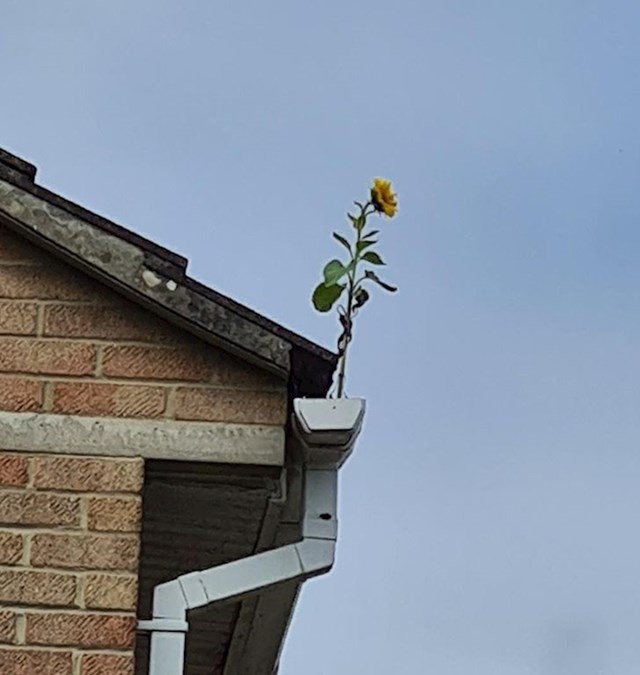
{"x": 68, "y": 564}
{"x": 69, "y": 525}
{"x": 68, "y": 345}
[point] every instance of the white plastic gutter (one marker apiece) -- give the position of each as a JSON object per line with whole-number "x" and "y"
{"x": 327, "y": 430}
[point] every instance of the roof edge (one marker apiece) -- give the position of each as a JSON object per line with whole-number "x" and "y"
{"x": 156, "y": 278}
{"x": 18, "y": 171}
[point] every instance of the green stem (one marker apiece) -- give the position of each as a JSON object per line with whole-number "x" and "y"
{"x": 347, "y": 339}
{"x": 348, "y": 329}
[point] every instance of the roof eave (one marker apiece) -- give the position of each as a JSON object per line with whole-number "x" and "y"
{"x": 156, "y": 279}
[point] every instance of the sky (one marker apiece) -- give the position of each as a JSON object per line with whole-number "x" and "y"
{"x": 489, "y": 514}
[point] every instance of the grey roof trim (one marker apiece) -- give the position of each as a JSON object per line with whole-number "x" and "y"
{"x": 126, "y": 265}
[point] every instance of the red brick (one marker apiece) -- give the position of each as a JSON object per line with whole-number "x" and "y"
{"x": 120, "y": 322}
{"x": 107, "y": 400}
{"x": 18, "y": 318}
{"x": 34, "y": 662}
{"x": 13, "y": 470}
{"x": 20, "y": 395}
{"x": 85, "y": 630}
{"x": 46, "y": 357}
{"x": 106, "y": 664}
{"x": 192, "y": 362}
{"x": 155, "y": 363}
{"x": 28, "y": 587}
{"x": 85, "y": 551}
{"x": 111, "y": 591}
{"x": 114, "y": 514}
{"x": 53, "y": 282}
{"x": 11, "y": 546}
{"x": 230, "y": 405}
{"x": 87, "y": 474}
{"x": 229, "y": 371}
{"x": 18, "y": 507}
{"x": 7, "y": 627}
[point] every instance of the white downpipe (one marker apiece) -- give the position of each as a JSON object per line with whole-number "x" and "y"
{"x": 326, "y": 429}
{"x": 167, "y": 651}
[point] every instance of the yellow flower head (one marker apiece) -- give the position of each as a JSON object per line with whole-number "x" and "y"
{"x": 383, "y": 198}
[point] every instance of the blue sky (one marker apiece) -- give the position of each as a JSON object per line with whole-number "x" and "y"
{"x": 489, "y": 514}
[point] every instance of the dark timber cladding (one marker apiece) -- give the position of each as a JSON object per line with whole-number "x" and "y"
{"x": 156, "y": 278}
{"x": 195, "y": 517}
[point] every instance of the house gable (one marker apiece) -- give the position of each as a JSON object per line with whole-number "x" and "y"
{"x": 69, "y": 345}
{"x": 143, "y": 419}
{"x": 72, "y": 567}
{"x": 156, "y": 278}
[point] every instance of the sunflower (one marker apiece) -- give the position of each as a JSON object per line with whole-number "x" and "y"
{"x": 383, "y": 198}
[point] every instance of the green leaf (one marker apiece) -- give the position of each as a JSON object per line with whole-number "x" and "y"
{"x": 324, "y": 297}
{"x": 374, "y": 277}
{"x": 343, "y": 241}
{"x": 359, "y": 222}
{"x": 333, "y": 271}
{"x": 368, "y": 235}
{"x": 373, "y": 258}
{"x": 361, "y": 245}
